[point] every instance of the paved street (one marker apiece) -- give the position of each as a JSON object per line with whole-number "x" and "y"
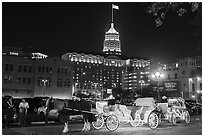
{"x": 194, "y": 128}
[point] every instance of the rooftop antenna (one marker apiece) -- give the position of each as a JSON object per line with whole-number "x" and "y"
{"x": 114, "y": 7}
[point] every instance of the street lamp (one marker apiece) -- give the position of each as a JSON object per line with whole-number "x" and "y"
{"x": 141, "y": 83}
{"x": 157, "y": 76}
{"x": 44, "y": 82}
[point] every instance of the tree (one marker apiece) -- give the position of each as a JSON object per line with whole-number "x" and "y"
{"x": 160, "y": 9}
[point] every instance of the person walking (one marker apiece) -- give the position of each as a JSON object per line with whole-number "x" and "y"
{"x": 9, "y": 111}
{"x": 23, "y": 106}
{"x": 49, "y": 106}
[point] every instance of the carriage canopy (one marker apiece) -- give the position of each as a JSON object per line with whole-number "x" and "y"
{"x": 144, "y": 102}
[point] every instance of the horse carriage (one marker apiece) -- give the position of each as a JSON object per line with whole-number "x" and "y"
{"x": 173, "y": 110}
{"x": 114, "y": 115}
{"x": 144, "y": 111}
{"x": 104, "y": 116}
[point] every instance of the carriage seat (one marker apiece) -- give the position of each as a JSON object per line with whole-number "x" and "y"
{"x": 124, "y": 110}
{"x": 144, "y": 106}
{"x": 100, "y": 106}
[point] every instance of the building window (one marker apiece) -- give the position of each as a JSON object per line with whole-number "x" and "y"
{"x": 39, "y": 82}
{"x": 58, "y": 70}
{"x": 67, "y": 83}
{"x": 29, "y": 69}
{"x": 193, "y": 87}
{"x": 65, "y": 70}
{"x": 24, "y": 69}
{"x": 176, "y": 76}
{"x": 51, "y": 70}
{"x": 19, "y": 80}
{"x": 19, "y": 68}
{"x": 49, "y": 81}
{"x": 7, "y": 79}
{"x": 200, "y": 86}
{"x": 39, "y": 68}
{"x": 62, "y": 70}
{"x": 43, "y": 69}
{"x": 24, "y": 80}
{"x": 11, "y": 67}
{"x": 169, "y": 76}
{"x": 29, "y": 80}
{"x": 7, "y": 67}
{"x": 59, "y": 82}
{"x": 47, "y": 69}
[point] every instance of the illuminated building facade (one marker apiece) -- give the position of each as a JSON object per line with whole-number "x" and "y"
{"x": 112, "y": 44}
{"x": 135, "y": 74}
{"x": 94, "y": 72}
{"x": 187, "y": 72}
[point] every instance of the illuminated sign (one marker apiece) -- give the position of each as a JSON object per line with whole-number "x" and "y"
{"x": 109, "y": 91}
{"x": 14, "y": 53}
{"x": 171, "y": 86}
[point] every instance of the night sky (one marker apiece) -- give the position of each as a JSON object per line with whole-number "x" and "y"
{"x": 57, "y": 28}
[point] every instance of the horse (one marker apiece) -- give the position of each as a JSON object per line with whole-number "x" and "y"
{"x": 75, "y": 106}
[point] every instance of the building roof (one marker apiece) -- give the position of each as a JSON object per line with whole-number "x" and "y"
{"x": 112, "y": 30}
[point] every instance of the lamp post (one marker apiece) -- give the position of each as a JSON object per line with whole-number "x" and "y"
{"x": 44, "y": 82}
{"x": 141, "y": 83}
{"x": 157, "y": 76}
{"x": 189, "y": 90}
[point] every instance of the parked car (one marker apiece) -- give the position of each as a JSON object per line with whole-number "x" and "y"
{"x": 35, "y": 103}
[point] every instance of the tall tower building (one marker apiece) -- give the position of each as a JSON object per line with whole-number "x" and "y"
{"x": 112, "y": 45}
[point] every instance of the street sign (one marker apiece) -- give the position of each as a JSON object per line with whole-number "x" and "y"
{"x": 171, "y": 86}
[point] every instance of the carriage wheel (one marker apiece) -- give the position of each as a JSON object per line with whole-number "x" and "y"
{"x": 153, "y": 120}
{"x": 112, "y": 123}
{"x": 98, "y": 124}
{"x": 173, "y": 119}
{"x": 187, "y": 117}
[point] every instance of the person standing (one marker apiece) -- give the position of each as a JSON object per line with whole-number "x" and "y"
{"x": 49, "y": 106}
{"x": 9, "y": 111}
{"x": 23, "y": 106}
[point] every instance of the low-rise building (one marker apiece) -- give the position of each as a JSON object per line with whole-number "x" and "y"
{"x": 187, "y": 73}
{"x": 29, "y": 75}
